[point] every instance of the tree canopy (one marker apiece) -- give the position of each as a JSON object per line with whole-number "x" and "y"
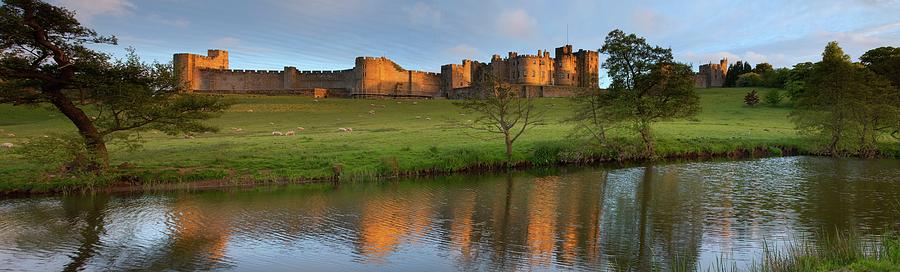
{"x": 647, "y": 84}
{"x": 44, "y": 60}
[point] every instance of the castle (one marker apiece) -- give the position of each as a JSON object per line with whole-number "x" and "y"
{"x": 532, "y": 75}
{"x": 712, "y": 75}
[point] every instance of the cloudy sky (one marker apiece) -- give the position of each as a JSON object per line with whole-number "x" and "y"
{"x": 422, "y": 35}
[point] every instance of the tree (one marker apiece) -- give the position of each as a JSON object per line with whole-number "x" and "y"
{"x": 776, "y": 78}
{"x": 763, "y": 68}
{"x": 44, "y": 59}
{"x": 795, "y": 84}
{"x": 750, "y": 79}
{"x": 884, "y": 61}
{"x": 773, "y": 97}
{"x": 752, "y": 98}
{"x": 824, "y": 109}
{"x": 501, "y": 109}
{"x": 647, "y": 84}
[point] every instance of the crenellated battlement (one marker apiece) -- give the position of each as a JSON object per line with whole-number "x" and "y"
{"x": 241, "y": 71}
{"x": 325, "y": 71}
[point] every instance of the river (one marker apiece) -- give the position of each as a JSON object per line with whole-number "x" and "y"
{"x": 600, "y": 218}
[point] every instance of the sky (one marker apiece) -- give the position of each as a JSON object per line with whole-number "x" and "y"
{"x": 423, "y": 35}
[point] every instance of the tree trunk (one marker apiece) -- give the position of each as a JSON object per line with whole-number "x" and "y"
{"x": 98, "y": 159}
{"x": 508, "y": 148}
{"x": 648, "y": 140}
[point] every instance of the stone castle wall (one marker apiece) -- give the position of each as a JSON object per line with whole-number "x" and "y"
{"x": 381, "y": 77}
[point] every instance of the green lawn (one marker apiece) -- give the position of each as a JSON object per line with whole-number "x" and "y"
{"x": 410, "y": 134}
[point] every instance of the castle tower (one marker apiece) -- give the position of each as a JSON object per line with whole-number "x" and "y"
{"x": 565, "y": 70}
{"x": 187, "y": 66}
{"x": 724, "y": 64}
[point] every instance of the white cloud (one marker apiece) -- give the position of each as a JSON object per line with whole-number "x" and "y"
{"x": 463, "y": 51}
{"x": 516, "y": 24}
{"x": 422, "y": 13}
{"x": 85, "y": 10}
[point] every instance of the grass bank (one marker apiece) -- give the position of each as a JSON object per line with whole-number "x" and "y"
{"x": 389, "y": 138}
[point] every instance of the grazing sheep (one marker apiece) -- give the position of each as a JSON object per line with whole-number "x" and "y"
{"x": 238, "y": 130}
{"x": 418, "y": 117}
{"x": 289, "y": 133}
{"x": 349, "y": 130}
{"x": 301, "y": 128}
{"x": 342, "y": 129}
{"x": 427, "y": 118}
{"x": 372, "y": 112}
{"x": 249, "y": 110}
{"x": 277, "y": 133}
{"x": 315, "y": 100}
{"x": 10, "y": 135}
{"x": 415, "y": 103}
{"x": 7, "y": 145}
{"x": 270, "y": 123}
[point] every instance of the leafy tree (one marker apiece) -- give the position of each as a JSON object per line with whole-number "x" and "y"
{"x": 44, "y": 60}
{"x": 877, "y": 112}
{"x": 501, "y": 109}
{"x": 796, "y": 80}
{"x": 776, "y": 78}
{"x": 884, "y": 61}
{"x": 750, "y": 79}
{"x": 763, "y": 68}
{"x": 773, "y": 97}
{"x": 847, "y": 105}
{"x": 752, "y": 98}
{"x": 647, "y": 84}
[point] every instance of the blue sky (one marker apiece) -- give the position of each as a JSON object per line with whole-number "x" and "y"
{"x": 422, "y": 35}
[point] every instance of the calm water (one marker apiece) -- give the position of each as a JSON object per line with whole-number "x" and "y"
{"x": 585, "y": 219}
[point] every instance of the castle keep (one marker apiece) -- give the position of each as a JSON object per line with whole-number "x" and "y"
{"x": 711, "y": 75}
{"x": 534, "y": 75}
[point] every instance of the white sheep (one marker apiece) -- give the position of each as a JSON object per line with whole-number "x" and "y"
{"x": 11, "y": 135}
{"x": 427, "y": 118}
{"x": 270, "y": 123}
{"x": 277, "y": 133}
{"x": 289, "y": 133}
{"x": 418, "y": 117}
{"x": 372, "y": 112}
{"x": 7, "y": 145}
{"x": 415, "y": 103}
{"x": 301, "y": 128}
{"x": 342, "y": 129}
{"x": 349, "y": 130}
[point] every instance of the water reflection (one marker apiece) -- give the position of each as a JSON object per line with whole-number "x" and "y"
{"x": 628, "y": 219}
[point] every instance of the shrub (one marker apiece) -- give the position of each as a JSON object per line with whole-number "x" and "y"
{"x": 751, "y": 99}
{"x": 773, "y": 97}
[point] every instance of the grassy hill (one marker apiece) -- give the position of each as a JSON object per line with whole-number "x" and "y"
{"x": 401, "y": 135}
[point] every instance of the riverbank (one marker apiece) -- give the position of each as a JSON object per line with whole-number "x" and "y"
{"x": 389, "y": 138}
